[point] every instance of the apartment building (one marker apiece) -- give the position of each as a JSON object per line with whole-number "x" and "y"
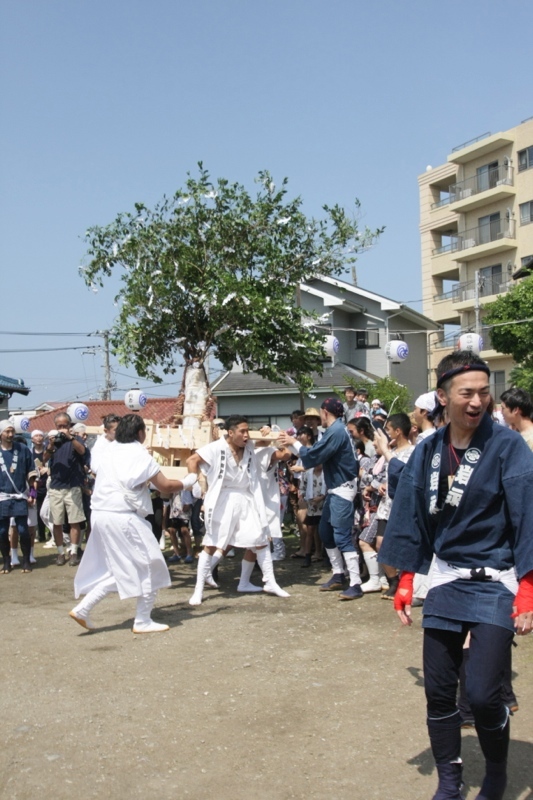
{"x": 476, "y": 226}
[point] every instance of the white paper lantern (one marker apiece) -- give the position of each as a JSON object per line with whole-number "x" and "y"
{"x": 78, "y": 412}
{"x": 135, "y": 399}
{"x": 397, "y": 351}
{"x": 20, "y": 423}
{"x": 331, "y": 346}
{"x": 471, "y": 342}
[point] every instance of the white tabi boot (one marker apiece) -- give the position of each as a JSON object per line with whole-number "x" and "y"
{"x": 209, "y": 579}
{"x": 245, "y": 583}
{"x": 264, "y": 559}
{"x": 80, "y": 613}
{"x": 204, "y": 569}
{"x": 143, "y": 623}
{"x": 15, "y": 557}
{"x": 373, "y": 584}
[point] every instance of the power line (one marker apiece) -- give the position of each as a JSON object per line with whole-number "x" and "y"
{"x": 42, "y": 333}
{"x": 42, "y": 350}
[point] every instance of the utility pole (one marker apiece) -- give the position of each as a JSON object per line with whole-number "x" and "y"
{"x": 477, "y": 306}
{"x": 108, "y": 383}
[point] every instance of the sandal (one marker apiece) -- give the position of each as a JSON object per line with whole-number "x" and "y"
{"x": 298, "y": 555}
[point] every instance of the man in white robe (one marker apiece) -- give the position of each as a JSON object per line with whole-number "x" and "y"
{"x": 100, "y": 446}
{"x": 234, "y": 508}
{"x": 122, "y": 554}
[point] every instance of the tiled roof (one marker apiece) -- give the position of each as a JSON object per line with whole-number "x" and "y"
{"x": 9, "y": 385}
{"x": 160, "y": 409}
{"x": 246, "y": 383}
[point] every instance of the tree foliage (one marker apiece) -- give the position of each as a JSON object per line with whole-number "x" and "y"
{"x": 516, "y": 338}
{"x": 214, "y": 270}
{"x": 386, "y": 389}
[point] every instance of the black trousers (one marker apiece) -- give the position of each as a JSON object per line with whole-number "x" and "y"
{"x": 488, "y": 659}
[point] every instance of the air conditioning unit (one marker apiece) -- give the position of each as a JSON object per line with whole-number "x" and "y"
{"x": 464, "y": 193}
{"x": 466, "y": 243}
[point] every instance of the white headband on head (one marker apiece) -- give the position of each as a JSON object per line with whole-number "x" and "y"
{"x": 6, "y": 423}
{"x": 36, "y": 433}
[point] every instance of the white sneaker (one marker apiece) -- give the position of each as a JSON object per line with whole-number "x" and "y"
{"x": 149, "y": 627}
{"x": 371, "y": 585}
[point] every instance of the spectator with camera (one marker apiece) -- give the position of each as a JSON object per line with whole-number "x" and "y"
{"x": 65, "y": 455}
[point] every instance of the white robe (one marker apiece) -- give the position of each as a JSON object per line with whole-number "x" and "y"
{"x": 121, "y": 544}
{"x": 98, "y": 451}
{"x": 270, "y": 486}
{"x": 234, "y": 509}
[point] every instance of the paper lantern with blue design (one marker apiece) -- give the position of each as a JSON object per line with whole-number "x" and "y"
{"x": 20, "y": 423}
{"x": 397, "y": 351}
{"x": 331, "y": 346}
{"x": 78, "y": 412}
{"x": 135, "y": 399}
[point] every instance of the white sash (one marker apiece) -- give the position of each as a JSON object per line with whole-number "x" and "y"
{"x": 442, "y": 572}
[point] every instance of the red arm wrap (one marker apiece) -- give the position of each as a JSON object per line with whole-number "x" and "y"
{"x": 524, "y": 596}
{"x": 404, "y": 592}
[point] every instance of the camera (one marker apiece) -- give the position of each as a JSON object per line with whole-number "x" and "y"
{"x": 59, "y": 439}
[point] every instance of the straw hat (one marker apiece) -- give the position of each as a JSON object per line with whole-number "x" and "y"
{"x": 312, "y": 412}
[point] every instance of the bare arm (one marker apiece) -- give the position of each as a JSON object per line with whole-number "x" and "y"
{"x": 166, "y": 485}
{"x": 193, "y": 463}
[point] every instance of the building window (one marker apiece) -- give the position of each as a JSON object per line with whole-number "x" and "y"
{"x": 526, "y": 213}
{"x": 497, "y": 384}
{"x": 525, "y": 159}
{"x": 487, "y": 175}
{"x": 489, "y": 228}
{"x": 490, "y": 280}
{"x": 366, "y": 340}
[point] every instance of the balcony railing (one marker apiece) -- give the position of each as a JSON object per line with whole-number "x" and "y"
{"x": 487, "y": 286}
{"x": 489, "y": 232}
{"x": 470, "y": 141}
{"x": 482, "y": 182}
{"x": 453, "y": 244}
{"x": 446, "y": 341}
{"x": 444, "y": 201}
{"x": 437, "y": 298}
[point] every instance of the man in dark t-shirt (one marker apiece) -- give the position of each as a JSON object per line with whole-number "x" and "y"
{"x": 65, "y": 460}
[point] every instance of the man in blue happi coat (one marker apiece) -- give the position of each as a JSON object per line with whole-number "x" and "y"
{"x": 16, "y": 469}
{"x": 334, "y": 451}
{"x": 466, "y": 499}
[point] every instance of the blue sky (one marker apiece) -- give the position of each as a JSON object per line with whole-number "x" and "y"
{"x": 109, "y": 102}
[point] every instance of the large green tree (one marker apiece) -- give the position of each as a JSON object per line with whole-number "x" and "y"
{"x": 215, "y": 270}
{"x": 511, "y": 316}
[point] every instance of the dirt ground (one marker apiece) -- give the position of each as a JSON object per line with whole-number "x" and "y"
{"x": 247, "y": 696}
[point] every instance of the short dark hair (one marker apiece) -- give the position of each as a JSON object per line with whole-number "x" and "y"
{"x": 359, "y": 445}
{"x": 349, "y": 389}
{"x": 128, "y": 429}
{"x": 364, "y": 426}
{"x": 518, "y": 398}
{"x": 232, "y": 422}
{"x": 400, "y": 421}
{"x": 308, "y": 432}
{"x": 460, "y": 359}
{"x": 297, "y": 413}
{"x": 110, "y": 419}
{"x": 61, "y": 414}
